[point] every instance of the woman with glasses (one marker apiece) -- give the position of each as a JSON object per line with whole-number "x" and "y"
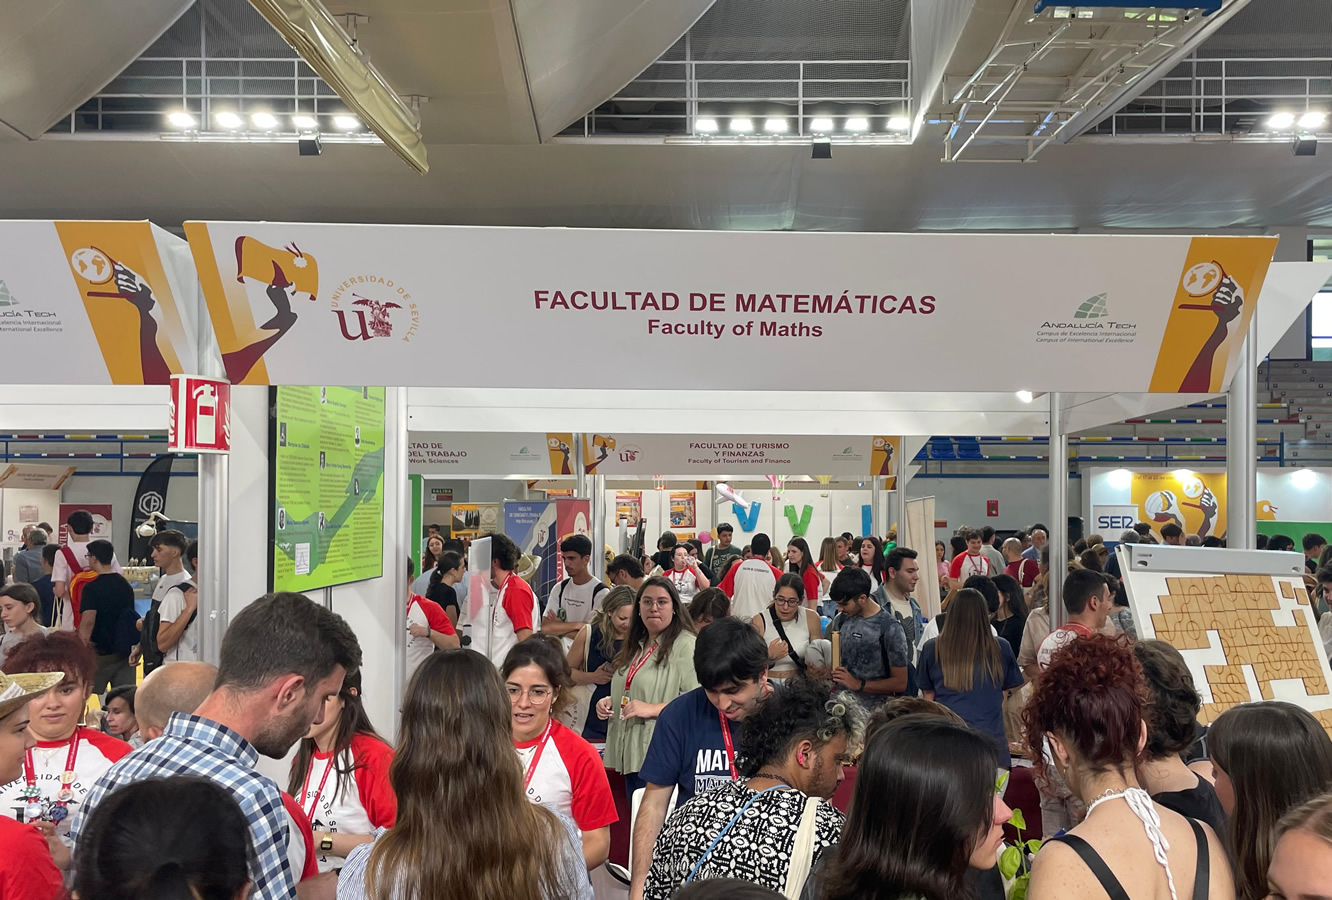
{"x": 788, "y": 627}
{"x": 654, "y": 666}
{"x": 560, "y": 769}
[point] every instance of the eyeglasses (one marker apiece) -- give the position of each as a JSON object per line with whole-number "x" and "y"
{"x": 786, "y": 601}
{"x": 537, "y": 694}
{"x": 661, "y": 603}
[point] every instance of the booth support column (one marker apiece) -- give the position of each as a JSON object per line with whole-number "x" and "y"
{"x": 580, "y": 468}
{"x": 403, "y": 540}
{"x": 1058, "y": 534}
{"x": 214, "y": 519}
{"x": 598, "y": 526}
{"x": 876, "y": 497}
{"x": 1241, "y": 447}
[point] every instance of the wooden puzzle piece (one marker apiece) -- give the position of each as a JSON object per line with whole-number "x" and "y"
{"x": 1287, "y": 590}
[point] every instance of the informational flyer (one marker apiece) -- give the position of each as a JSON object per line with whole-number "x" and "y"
{"x": 629, "y": 507}
{"x": 327, "y": 474}
{"x": 682, "y": 509}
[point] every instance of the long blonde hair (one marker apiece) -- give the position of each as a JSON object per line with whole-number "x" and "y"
{"x": 966, "y": 640}
{"x": 616, "y": 597}
{"x": 455, "y": 762}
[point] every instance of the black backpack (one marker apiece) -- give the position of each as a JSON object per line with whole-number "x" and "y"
{"x": 152, "y": 623}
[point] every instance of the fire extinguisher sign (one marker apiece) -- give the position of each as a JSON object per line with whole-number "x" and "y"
{"x": 200, "y": 415}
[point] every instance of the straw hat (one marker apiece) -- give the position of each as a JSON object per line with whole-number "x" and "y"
{"x": 15, "y": 690}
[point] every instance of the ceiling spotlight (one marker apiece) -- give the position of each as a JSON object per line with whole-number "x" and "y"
{"x": 305, "y": 123}
{"x": 347, "y": 123}
{"x": 776, "y": 126}
{"x": 1086, "y": 13}
{"x": 899, "y": 123}
{"x": 229, "y": 120}
{"x": 182, "y": 120}
{"x": 1312, "y": 120}
{"x": 706, "y": 126}
{"x": 1281, "y": 121}
{"x": 742, "y": 126}
{"x": 1024, "y": 396}
{"x": 1062, "y": 12}
{"x": 857, "y": 124}
{"x": 821, "y": 125}
{"x": 263, "y": 121}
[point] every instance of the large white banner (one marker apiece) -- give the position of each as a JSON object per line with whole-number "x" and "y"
{"x": 584, "y": 308}
{"x": 457, "y": 453}
{"x": 95, "y": 303}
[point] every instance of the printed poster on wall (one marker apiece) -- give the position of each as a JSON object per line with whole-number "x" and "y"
{"x": 629, "y": 507}
{"x": 1195, "y": 501}
{"x": 327, "y": 474}
{"x": 682, "y": 509}
{"x": 301, "y": 303}
{"x": 533, "y": 526}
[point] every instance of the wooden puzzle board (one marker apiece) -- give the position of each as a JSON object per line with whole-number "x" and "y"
{"x": 1244, "y": 637}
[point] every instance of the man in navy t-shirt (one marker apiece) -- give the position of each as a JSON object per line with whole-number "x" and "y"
{"x": 693, "y": 746}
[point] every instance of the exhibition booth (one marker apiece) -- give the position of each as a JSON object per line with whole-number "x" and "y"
{"x": 494, "y": 341}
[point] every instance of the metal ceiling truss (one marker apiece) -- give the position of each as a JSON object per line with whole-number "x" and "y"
{"x": 1049, "y": 78}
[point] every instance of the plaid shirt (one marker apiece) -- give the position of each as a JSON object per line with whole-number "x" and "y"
{"x": 191, "y": 745}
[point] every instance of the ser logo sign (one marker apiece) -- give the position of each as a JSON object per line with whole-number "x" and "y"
{"x": 1111, "y": 520}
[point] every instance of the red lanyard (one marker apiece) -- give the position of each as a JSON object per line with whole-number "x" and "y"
{"x": 633, "y": 670}
{"x": 67, "y": 778}
{"x": 680, "y": 581}
{"x": 730, "y": 749}
{"x": 536, "y": 757}
{"x": 323, "y": 781}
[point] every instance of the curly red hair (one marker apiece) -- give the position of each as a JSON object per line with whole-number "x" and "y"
{"x": 58, "y": 651}
{"x": 1093, "y": 697}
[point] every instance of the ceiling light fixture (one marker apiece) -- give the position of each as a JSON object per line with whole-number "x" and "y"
{"x": 1025, "y": 396}
{"x": 706, "y": 126}
{"x": 1304, "y": 479}
{"x": 1280, "y": 121}
{"x": 347, "y": 123}
{"x": 1312, "y": 120}
{"x": 776, "y": 126}
{"x": 857, "y": 124}
{"x": 182, "y": 120}
{"x": 305, "y": 123}
{"x": 899, "y": 123}
{"x": 821, "y": 125}
{"x": 263, "y": 121}
{"x": 742, "y": 126}
{"x": 229, "y": 120}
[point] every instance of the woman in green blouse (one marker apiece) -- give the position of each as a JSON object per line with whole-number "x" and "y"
{"x": 655, "y": 665}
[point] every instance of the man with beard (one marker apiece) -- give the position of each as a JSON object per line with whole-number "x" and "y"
{"x": 281, "y": 659}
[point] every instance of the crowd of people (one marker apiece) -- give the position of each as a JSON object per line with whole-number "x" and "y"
{"x": 737, "y": 722}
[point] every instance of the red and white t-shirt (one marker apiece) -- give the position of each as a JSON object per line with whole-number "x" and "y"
{"x": 570, "y": 777}
{"x": 495, "y": 630}
{"x": 300, "y": 840}
{"x": 365, "y": 800}
{"x": 813, "y": 584}
{"x": 966, "y": 565}
{"x": 421, "y": 611}
{"x": 1057, "y": 640}
{"x": 26, "y": 869}
{"x": 686, "y": 583}
{"x": 1024, "y": 570}
{"x": 96, "y": 752}
{"x": 749, "y": 584}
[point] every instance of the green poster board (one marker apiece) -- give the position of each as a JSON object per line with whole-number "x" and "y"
{"x": 326, "y": 483}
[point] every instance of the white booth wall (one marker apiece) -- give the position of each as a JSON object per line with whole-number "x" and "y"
{"x": 368, "y": 606}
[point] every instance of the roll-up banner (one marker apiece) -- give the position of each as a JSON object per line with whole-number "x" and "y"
{"x": 539, "y": 455}
{"x": 313, "y": 304}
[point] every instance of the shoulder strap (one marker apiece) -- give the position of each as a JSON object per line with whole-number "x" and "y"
{"x": 71, "y": 560}
{"x": 781, "y": 633}
{"x": 598, "y": 587}
{"x": 1109, "y": 883}
{"x": 1202, "y": 874}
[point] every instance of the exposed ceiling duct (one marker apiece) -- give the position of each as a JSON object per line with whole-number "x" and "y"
{"x": 322, "y": 43}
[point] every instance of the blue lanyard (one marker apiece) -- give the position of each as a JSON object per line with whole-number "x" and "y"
{"x": 721, "y": 834}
